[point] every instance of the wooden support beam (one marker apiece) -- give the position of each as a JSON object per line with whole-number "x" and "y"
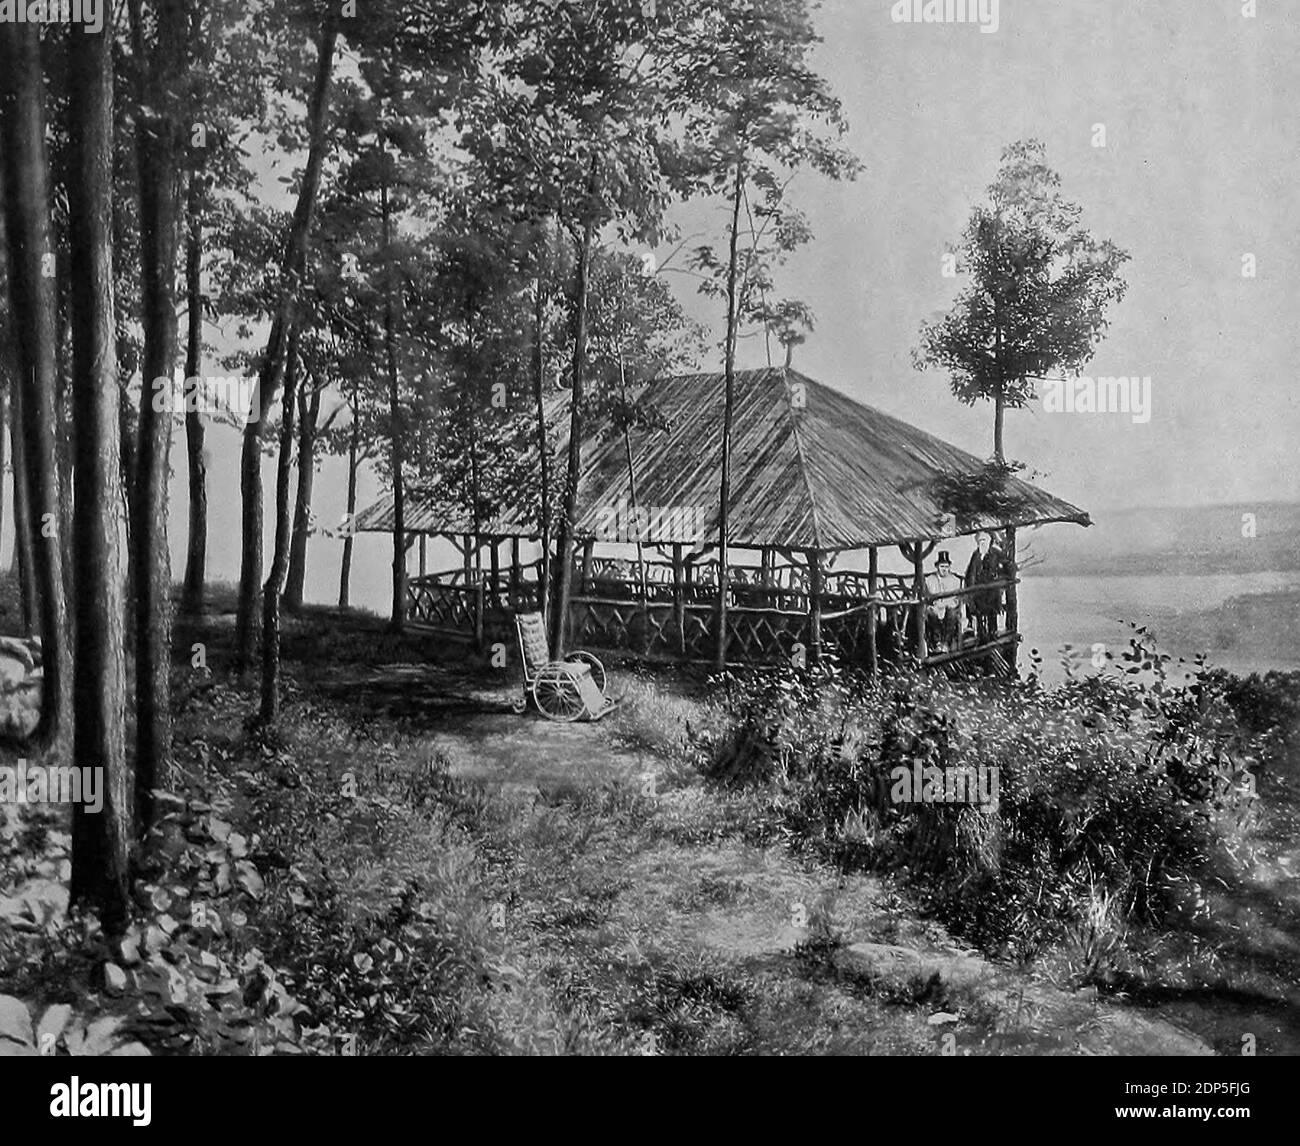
{"x": 679, "y": 598}
{"x": 515, "y": 574}
{"x": 424, "y": 555}
{"x": 495, "y": 542}
{"x": 873, "y": 584}
{"x": 815, "y": 603}
{"x": 587, "y": 547}
{"x": 1013, "y": 600}
{"x": 918, "y": 573}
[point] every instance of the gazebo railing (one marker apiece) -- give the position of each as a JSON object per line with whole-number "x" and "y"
{"x": 764, "y": 623}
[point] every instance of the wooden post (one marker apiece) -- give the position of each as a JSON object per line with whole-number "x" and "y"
{"x": 679, "y": 597}
{"x": 918, "y": 571}
{"x": 515, "y": 575}
{"x": 495, "y": 542}
{"x": 424, "y": 560}
{"x": 766, "y": 565}
{"x": 587, "y": 547}
{"x": 815, "y": 603}
{"x": 469, "y": 563}
{"x": 1013, "y": 601}
{"x": 873, "y": 584}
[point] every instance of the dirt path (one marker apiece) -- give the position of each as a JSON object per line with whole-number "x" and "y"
{"x": 678, "y": 892}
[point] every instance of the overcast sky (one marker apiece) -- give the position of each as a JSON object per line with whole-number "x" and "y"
{"x": 1200, "y": 167}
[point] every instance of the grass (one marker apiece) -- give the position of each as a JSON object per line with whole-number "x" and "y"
{"x": 371, "y": 897}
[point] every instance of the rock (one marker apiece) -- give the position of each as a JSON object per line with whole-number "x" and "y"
{"x": 12, "y": 671}
{"x": 15, "y": 1022}
{"x": 114, "y": 979}
{"x": 902, "y": 964}
{"x": 20, "y": 709}
{"x": 52, "y": 1024}
{"x": 23, "y": 652}
{"x": 100, "y": 1037}
{"x": 939, "y": 1018}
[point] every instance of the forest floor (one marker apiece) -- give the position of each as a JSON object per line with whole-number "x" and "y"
{"x": 626, "y": 907}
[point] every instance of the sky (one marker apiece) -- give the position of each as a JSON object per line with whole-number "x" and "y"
{"x": 1200, "y": 167}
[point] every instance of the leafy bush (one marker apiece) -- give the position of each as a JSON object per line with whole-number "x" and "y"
{"x": 1129, "y": 789}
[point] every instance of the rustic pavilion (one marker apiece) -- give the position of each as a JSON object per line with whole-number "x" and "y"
{"x": 816, "y": 477}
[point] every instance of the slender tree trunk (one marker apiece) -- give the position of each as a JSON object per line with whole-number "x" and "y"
{"x": 31, "y": 287}
{"x": 271, "y": 373}
{"x": 24, "y": 540}
{"x": 63, "y": 418}
{"x": 728, "y": 410}
{"x": 126, "y": 432}
{"x": 543, "y": 441}
{"x": 632, "y": 502}
{"x": 162, "y": 68}
{"x": 569, "y": 519}
{"x": 397, "y": 428}
{"x": 999, "y": 390}
{"x": 4, "y": 451}
{"x": 270, "y": 711}
{"x": 999, "y": 416}
{"x": 308, "y": 413}
{"x": 345, "y": 570}
{"x": 196, "y": 550}
{"x": 100, "y": 840}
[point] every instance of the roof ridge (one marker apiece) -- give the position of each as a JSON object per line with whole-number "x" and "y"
{"x": 785, "y": 373}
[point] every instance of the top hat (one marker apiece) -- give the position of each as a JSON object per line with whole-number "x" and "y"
{"x": 943, "y": 558}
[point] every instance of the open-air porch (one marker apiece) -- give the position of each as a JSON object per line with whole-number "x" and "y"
{"x": 834, "y": 517}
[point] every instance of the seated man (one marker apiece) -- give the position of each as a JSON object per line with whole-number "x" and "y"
{"x": 943, "y": 617}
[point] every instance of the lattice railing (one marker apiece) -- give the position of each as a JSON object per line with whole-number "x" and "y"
{"x": 439, "y": 605}
{"x": 764, "y": 635}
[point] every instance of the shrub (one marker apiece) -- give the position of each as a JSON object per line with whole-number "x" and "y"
{"x": 1129, "y": 788}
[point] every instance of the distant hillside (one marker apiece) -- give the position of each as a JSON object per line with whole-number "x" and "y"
{"x": 1206, "y": 539}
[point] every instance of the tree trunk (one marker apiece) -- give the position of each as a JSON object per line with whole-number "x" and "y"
{"x": 999, "y": 416}
{"x": 100, "y": 840}
{"x": 569, "y": 519}
{"x": 4, "y": 450}
{"x": 999, "y": 390}
{"x": 196, "y": 550}
{"x": 162, "y": 70}
{"x": 543, "y": 442}
{"x": 308, "y": 413}
{"x": 345, "y": 570}
{"x": 272, "y": 369}
{"x": 33, "y": 304}
{"x": 728, "y": 409}
{"x": 270, "y": 711}
{"x": 24, "y": 543}
{"x": 396, "y": 427}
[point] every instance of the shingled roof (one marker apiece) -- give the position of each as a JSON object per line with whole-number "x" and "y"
{"x": 811, "y": 469}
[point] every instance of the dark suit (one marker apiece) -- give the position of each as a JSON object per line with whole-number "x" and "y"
{"x": 987, "y": 604}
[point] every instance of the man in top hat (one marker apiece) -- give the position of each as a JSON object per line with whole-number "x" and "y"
{"x": 943, "y": 617}
{"x": 987, "y": 564}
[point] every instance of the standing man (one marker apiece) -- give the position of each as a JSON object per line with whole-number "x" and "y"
{"x": 987, "y": 565}
{"x": 943, "y": 617}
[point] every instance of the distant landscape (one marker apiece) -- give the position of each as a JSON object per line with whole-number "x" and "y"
{"x": 1189, "y": 574}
